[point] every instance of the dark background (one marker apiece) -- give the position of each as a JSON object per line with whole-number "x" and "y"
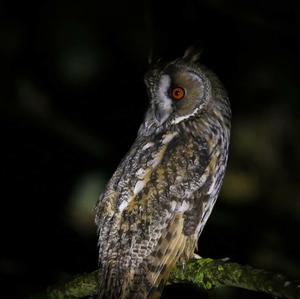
{"x": 72, "y": 100}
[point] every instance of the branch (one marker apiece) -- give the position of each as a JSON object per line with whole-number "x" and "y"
{"x": 207, "y": 273}
{"x": 210, "y": 273}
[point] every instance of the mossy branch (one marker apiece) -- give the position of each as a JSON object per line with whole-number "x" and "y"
{"x": 207, "y": 273}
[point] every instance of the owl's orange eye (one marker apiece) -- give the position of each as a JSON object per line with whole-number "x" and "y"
{"x": 177, "y": 93}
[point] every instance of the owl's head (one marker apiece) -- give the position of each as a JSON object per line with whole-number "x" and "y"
{"x": 180, "y": 91}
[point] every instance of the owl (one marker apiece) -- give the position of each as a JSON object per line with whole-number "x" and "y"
{"x": 157, "y": 202}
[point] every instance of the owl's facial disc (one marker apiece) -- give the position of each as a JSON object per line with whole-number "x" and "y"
{"x": 179, "y": 94}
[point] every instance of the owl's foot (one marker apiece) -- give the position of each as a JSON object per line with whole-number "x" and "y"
{"x": 226, "y": 259}
{"x": 182, "y": 261}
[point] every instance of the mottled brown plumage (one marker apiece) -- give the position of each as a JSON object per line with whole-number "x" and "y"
{"x": 162, "y": 193}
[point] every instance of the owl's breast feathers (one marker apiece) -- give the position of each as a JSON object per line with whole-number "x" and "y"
{"x": 154, "y": 208}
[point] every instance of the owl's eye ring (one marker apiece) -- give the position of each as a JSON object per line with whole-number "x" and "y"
{"x": 177, "y": 93}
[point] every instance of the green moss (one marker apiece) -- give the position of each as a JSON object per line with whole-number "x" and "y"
{"x": 208, "y": 286}
{"x": 199, "y": 277}
{"x": 220, "y": 268}
{"x": 236, "y": 273}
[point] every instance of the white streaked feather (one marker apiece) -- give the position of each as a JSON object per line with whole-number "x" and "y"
{"x": 168, "y": 138}
{"x": 138, "y": 187}
{"x": 147, "y": 145}
{"x": 140, "y": 173}
{"x": 212, "y": 186}
{"x": 123, "y": 205}
{"x": 183, "y": 207}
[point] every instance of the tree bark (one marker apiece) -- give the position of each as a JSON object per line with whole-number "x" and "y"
{"x": 205, "y": 272}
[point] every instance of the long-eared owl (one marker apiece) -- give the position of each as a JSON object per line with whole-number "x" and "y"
{"x": 158, "y": 200}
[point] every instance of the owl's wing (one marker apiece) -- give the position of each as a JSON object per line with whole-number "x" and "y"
{"x": 191, "y": 199}
{"x": 169, "y": 249}
{"x": 151, "y": 214}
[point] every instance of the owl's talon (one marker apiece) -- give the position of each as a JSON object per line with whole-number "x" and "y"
{"x": 183, "y": 266}
{"x": 197, "y": 256}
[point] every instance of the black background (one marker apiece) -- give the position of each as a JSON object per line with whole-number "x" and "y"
{"x": 72, "y": 100}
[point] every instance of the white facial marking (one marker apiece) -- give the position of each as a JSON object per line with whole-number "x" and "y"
{"x": 179, "y": 119}
{"x": 163, "y": 90}
{"x": 164, "y": 103}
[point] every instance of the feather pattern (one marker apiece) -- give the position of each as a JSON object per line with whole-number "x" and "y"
{"x": 162, "y": 193}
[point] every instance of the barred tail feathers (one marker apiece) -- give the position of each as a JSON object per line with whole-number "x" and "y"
{"x": 172, "y": 246}
{"x": 148, "y": 280}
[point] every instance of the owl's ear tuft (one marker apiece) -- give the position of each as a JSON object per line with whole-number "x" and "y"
{"x": 153, "y": 59}
{"x": 193, "y": 54}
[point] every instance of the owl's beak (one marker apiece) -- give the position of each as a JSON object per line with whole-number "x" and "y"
{"x": 161, "y": 113}
{"x": 160, "y": 116}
